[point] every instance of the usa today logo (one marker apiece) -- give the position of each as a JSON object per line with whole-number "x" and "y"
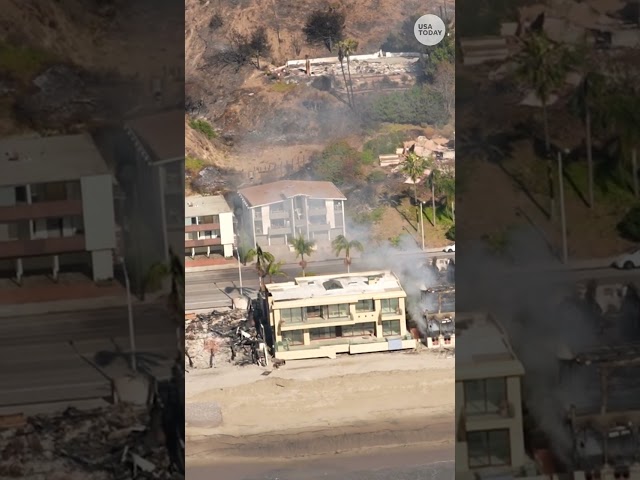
{"x": 429, "y": 30}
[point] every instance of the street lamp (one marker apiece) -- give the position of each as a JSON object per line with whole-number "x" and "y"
{"x": 422, "y": 222}
{"x": 239, "y": 269}
{"x": 132, "y": 341}
{"x": 563, "y": 214}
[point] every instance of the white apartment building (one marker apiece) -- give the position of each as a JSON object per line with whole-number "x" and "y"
{"x": 208, "y": 226}
{"x": 321, "y": 316}
{"x": 490, "y": 436}
{"x": 274, "y": 213}
{"x": 56, "y": 205}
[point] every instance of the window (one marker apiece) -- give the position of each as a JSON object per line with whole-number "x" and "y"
{"x": 338, "y": 311}
{"x": 337, "y": 205}
{"x": 54, "y": 227}
{"x": 391, "y": 327}
{"x": 390, "y": 305}
{"x": 314, "y": 312}
{"x": 293, "y": 337}
{"x": 485, "y": 396}
{"x": 190, "y": 221}
{"x": 359, "y": 329}
{"x": 190, "y": 236}
{"x": 322, "y": 333}
{"x": 365, "y": 306}
{"x": 490, "y": 448}
{"x": 208, "y": 219}
{"x": 21, "y": 194}
{"x": 291, "y": 315}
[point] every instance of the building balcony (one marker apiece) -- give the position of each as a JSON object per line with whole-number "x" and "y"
{"x": 319, "y": 227}
{"x": 316, "y": 322}
{"x": 202, "y": 227}
{"x": 33, "y": 211}
{"x": 279, "y": 214}
{"x": 389, "y": 314}
{"x": 317, "y": 211}
{"x": 280, "y": 231}
{"x": 40, "y": 247}
{"x": 484, "y": 420}
{"x": 205, "y": 242}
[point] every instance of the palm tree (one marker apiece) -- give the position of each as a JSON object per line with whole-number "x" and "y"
{"x": 542, "y": 66}
{"x": 302, "y": 247}
{"x": 445, "y": 187}
{"x": 341, "y": 243}
{"x": 414, "y": 166}
{"x": 350, "y": 47}
{"x": 341, "y": 56}
{"x": 274, "y": 269}
{"x": 589, "y": 102}
{"x": 623, "y": 117}
{"x": 263, "y": 259}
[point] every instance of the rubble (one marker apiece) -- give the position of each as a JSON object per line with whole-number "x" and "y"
{"x": 102, "y": 443}
{"x": 223, "y": 337}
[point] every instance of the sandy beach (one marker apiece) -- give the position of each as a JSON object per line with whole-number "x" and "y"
{"x": 342, "y": 418}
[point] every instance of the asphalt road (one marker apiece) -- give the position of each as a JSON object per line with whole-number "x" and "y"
{"x": 215, "y": 288}
{"x": 40, "y": 367}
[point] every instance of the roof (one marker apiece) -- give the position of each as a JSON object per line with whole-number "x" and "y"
{"x": 483, "y": 349}
{"x": 49, "y": 159}
{"x": 269, "y": 193}
{"x": 199, "y": 205}
{"x": 161, "y": 135}
{"x": 361, "y": 283}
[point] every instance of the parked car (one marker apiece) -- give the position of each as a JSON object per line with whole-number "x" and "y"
{"x": 628, "y": 260}
{"x": 450, "y": 249}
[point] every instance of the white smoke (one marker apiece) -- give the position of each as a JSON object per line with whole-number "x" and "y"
{"x": 541, "y": 326}
{"x": 406, "y": 260}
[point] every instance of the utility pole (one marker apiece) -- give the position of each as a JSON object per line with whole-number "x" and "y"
{"x": 132, "y": 341}
{"x": 634, "y": 165}
{"x": 422, "y": 222}
{"x": 433, "y": 196}
{"x": 563, "y": 216}
{"x": 239, "y": 270}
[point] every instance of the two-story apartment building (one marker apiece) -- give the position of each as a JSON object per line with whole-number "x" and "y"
{"x": 490, "y": 437}
{"x": 56, "y": 205}
{"x": 274, "y": 213}
{"x": 208, "y": 226}
{"x": 322, "y": 316}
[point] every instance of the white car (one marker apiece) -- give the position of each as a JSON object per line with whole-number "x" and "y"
{"x": 450, "y": 249}
{"x": 628, "y": 260}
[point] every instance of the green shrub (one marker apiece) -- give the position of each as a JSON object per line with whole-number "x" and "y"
{"x": 203, "y": 127}
{"x": 338, "y": 163}
{"x": 368, "y": 157}
{"x": 377, "y": 176}
{"x": 629, "y": 226}
{"x": 193, "y": 164}
{"x": 451, "y": 233}
{"x": 419, "y": 105}
{"x": 23, "y": 62}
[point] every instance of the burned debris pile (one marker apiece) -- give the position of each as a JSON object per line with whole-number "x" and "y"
{"x": 116, "y": 442}
{"x": 223, "y": 337}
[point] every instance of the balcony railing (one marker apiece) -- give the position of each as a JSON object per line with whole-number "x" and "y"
{"x": 279, "y": 230}
{"x": 33, "y": 211}
{"x": 317, "y": 320}
{"x": 202, "y": 227}
{"x": 279, "y": 214}
{"x": 319, "y": 227}
{"x": 391, "y": 313}
{"x": 317, "y": 211}
{"x": 44, "y": 246}
{"x": 204, "y": 242}
{"x": 507, "y": 410}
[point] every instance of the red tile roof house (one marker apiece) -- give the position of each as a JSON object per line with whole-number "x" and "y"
{"x": 274, "y": 213}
